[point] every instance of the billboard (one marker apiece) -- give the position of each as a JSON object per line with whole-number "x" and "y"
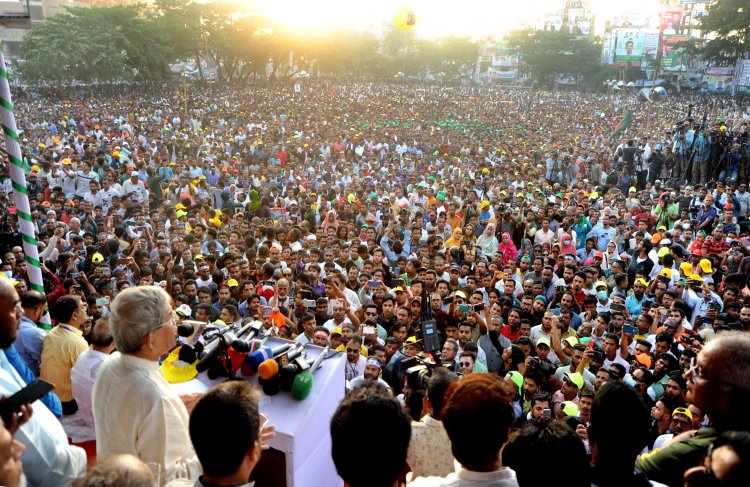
{"x": 608, "y": 48}
{"x": 672, "y": 58}
{"x": 629, "y": 47}
{"x": 718, "y": 80}
{"x": 670, "y": 19}
{"x": 742, "y": 76}
{"x": 504, "y": 61}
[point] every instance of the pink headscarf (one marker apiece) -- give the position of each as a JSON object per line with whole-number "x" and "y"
{"x": 328, "y": 223}
{"x": 567, "y": 249}
{"x": 509, "y": 250}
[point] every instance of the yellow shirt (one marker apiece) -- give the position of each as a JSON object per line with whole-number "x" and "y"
{"x": 60, "y": 350}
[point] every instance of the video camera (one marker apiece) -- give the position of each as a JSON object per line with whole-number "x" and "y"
{"x": 546, "y": 369}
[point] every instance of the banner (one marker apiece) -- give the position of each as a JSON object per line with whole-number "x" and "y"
{"x": 718, "y": 80}
{"x": 742, "y": 74}
{"x": 673, "y": 58}
{"x": 504, "y": 61}
{"x": 670, "y": 19}
{"x": 629, "y": 47}
{"x": 608, "y": 48}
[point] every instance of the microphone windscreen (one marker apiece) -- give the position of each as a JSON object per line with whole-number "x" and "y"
{"x": 254, "y": 359}
{"x": 185, "y": 329}
{"x": 270, "y": 387}
{"x": 268, "y": 368}
{"x": 187, "y": 354}
{"x": 302, "y": 385}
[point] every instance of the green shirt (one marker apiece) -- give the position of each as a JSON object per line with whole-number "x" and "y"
{"x": 668, "y": 464}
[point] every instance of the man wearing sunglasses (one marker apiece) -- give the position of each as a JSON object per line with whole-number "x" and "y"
{"x": 718, "y": 385}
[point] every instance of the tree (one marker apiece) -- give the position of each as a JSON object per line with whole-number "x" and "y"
{"x": 551, "y": 54}
{"x": 95, "y": 44}
{"x": 728, "y": 22}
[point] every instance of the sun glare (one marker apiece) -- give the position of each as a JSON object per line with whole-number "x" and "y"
{"x": 436, "y": 17}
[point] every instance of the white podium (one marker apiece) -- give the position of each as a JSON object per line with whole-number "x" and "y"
{"x": 303, "y": 439}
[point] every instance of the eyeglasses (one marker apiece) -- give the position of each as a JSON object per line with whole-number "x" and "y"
{"x": 171, "y": 321}
{"x": 367, "y": 313}
{"x": 465, "y": 364}
{"x": 286, "y": 274}
{"x": 352, "y": 350}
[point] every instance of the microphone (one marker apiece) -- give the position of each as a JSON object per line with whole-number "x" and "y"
{"x": 191, "y": 353}
{"x": 303, "y": 382}
{"x": 185, "y": 329}
{"x": 252, "y": 329}
{"x": 212, "y": 349}
{"x": 270, "y": 367}
{"x": 254, "y": 359}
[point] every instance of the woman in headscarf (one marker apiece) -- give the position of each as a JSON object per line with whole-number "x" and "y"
{"x": 526, "y": 250}
{"x": 507, "y": 248}
{"x": 455, "y": 240}
{"x": 330, "y": 220}
{"x": 567, "y": 246}
{"x": 487, "y": 242}
{"x": 253, "y": 206}
{"x": 610, "y": 254}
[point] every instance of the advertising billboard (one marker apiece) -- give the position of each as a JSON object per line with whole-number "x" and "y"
{"x": 629, "y": 47}
{"x": 718, "y": 80}
{"x": 670, "y": 19}
{"x": 742, "y": 74}
{"x": 673, "y": 58}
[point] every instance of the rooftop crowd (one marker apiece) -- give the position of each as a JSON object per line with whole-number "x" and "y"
{"x": 590, "y": 293}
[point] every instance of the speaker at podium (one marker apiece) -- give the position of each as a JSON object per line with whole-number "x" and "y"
{"x": 300, "y": 455}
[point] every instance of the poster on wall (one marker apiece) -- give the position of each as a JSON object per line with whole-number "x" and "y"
{"x": 742, "y": 76}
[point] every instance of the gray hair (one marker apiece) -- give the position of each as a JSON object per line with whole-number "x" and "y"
{"x": 135, "y": 313}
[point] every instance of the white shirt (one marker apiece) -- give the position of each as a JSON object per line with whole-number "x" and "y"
{"x": 136, "y": 411}
{"x": 82, "y": 377}
{"x": 505, "y": 477}
{"x": 49, "y": 460}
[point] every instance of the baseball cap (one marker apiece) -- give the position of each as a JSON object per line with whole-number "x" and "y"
{"x": 706, "y": 266}
{"x": 643, "y": 359}
{"x": 134, "y": 174}
{"x": 97, "y": 258}
{"x": 663, "y": 251}
{"x": 517, "y": 379}
{"x": 544, "y": 341}
{"x": 575, "y": 378}
{"x": 336, "y": 331}
{"x": 666, "y": 273}
{"x": 640, "y": 282}
{"x": 572, "y": 341}
{"x": 599, "y": 254}
{"x": 411, "y": 341}
{"x": 184, "y": 311}
{"x": 233, "y": 283}
{"x": 569, "y": 408}
{"x": 684, "y": 412}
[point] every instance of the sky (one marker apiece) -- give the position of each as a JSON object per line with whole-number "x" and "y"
{"x": 473, "y": 18}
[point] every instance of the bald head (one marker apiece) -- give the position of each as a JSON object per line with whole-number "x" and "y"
{"x": 730, "y": 351}
{"x": 119, "y": 470}
{"x": 10, "y": 313}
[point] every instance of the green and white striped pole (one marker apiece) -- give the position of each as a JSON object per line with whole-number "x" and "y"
{"x": 18, "y": 178}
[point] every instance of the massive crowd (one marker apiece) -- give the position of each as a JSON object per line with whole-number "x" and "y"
{"x": 589, "y": 291}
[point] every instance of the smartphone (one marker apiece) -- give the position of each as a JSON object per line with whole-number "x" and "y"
{"x": 448, "y": 300}
{"x": 631, "y": 330}
{"x": 373, "y": 284}
{"x": 465, "y": 308}
{"x": 368, "y": 330}
{"x": 398, "y": 282}
{"x": 102, "y": 301}
{"x": 105, "y": 271}
{"x": 478, "y": 307}
{"x": 336, "y": 303}
{"x": 308, "y": 303}
{"x": 546, "y": 413}
{"x": 27, "y": 395}
{"x": 75, "y": 275}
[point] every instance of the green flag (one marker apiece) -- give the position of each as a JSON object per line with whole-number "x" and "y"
{"x": 623, "y": 125}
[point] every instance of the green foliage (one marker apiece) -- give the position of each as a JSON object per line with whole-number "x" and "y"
{"x": 137, "y": 43}
{"x": 728, "y": 22}
{"x": 550, "y": 54}
{"x": 95, "y": 44}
